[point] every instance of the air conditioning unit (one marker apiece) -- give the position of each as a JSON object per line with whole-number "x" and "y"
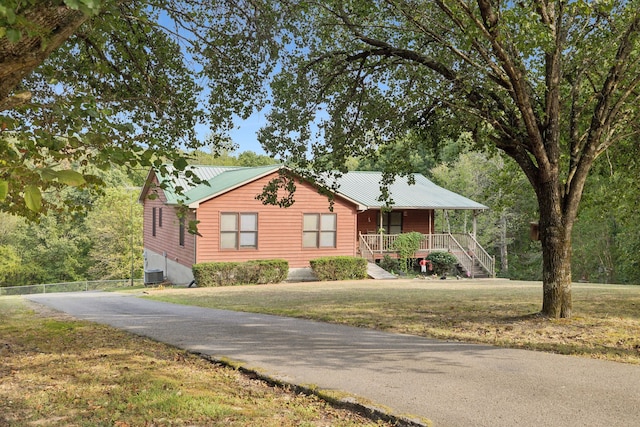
{"x": 153, "y": 276}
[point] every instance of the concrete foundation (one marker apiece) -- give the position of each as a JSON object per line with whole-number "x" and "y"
{"x": 174, "y": 272}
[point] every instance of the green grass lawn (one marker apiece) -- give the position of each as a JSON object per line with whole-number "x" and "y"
{"x": 57, "y": 371}
{"x": 605, "y": 322}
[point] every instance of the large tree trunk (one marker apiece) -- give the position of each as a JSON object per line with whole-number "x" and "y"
{"x": 555, "y": 236}
{"x": 56, "y": 24}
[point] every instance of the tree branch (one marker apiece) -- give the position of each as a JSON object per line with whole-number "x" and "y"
{"x": 18, "y": 59}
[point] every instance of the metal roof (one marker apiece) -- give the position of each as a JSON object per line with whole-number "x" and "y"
{"x": 362, "y": 188}
{"x": 216, "y": 180}
{"x": 225, "y": 181}
{"x": 205, "y": 173}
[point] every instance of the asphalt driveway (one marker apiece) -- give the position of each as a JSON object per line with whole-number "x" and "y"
{"x": 452, "y": 384}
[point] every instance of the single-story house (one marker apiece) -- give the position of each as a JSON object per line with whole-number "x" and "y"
{"x": 233, "y": 225}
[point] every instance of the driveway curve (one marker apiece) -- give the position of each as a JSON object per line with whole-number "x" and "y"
{"x": 453, "y": 384}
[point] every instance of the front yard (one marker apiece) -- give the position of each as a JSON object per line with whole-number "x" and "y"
{"x": 605, "y": 324}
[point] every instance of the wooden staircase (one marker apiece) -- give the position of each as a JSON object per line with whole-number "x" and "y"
{"x": 477, "y": 271}
{"x": 473, "y": 260}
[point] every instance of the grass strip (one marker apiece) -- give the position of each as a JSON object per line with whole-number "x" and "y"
{"x": 57, "y": 371}
{"x": 605, "y": 322}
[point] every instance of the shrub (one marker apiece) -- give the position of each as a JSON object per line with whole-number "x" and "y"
{"x": 389, "y": 264}
{"x": 238, "y": 273}
{"x": 339, "y": 268}
{"x": 406, "y": 245}
{"x": 442, "y": 262}
{"x": 269, "y": 270}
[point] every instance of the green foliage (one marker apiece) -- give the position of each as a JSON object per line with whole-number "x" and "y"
{"x": 442, "y": 262}
{"x": 64, "y": 247}
{"x": 228, "y": 158}
{"x": 606, "y": 237}
{"x": 120, "y": 92}
{"x": 115, "y": 231}
{"x": 339, "y": 268}
{"x": 53, "y": 250}
{"x": 390, "y": 264}
{"x": 406, "y": 245}
{"x": 238, "y": 273}
{"x": 409, "y": 153}
{"x": 10, "y": 265}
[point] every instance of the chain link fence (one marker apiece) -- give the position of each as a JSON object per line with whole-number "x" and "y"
{"x": 87, "y": 285}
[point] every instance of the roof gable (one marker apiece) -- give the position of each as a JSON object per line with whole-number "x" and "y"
{"x": 361, "y": 188}
{"x": 224, "y": 182}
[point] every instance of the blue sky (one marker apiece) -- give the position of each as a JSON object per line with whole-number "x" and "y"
{"x": 245, "y": 136}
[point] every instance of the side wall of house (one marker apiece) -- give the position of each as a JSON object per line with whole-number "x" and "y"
{"x": 163, "y": 250}
{"x": 420, "y": 220}
{"x": 279, "y": 229}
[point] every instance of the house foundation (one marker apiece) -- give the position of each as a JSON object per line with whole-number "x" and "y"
{"x": 173, "y": 271}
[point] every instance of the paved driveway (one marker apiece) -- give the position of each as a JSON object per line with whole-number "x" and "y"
{"x": 453, "y": 384}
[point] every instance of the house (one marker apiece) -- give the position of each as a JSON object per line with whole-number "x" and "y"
{"x": 235, "y": 226}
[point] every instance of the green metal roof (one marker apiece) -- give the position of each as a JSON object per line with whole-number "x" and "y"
{"x": 217, "y": 180}
{"x": 224, "y": 182}
{"x": 205, "y": 173}
{"x": 362, "y": 188}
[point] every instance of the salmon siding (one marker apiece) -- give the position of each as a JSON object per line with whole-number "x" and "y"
{"x": 420, "y": 220}
{"x": 279, "y": 230}
{"x": 162, "y": 234}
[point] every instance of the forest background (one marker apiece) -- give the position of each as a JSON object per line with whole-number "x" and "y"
{"x": 100, "y": 244}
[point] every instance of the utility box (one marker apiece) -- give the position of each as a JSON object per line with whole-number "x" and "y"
{"x": 151, "y": 277}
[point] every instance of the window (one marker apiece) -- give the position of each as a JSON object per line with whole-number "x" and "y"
{"x": 153, "y": 222}
{"x": 180, "y": 232}
{"x": 238, "y": 230}
{"x": 391, "y": 222}
{"x": 319, "y": 231}
{"x": 160, "y": 217}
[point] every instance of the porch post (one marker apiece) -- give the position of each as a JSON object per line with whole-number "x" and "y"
{"x": 380, "y": 234}
{"x": 475, "y": 223}
{"x": 431, "y": 212}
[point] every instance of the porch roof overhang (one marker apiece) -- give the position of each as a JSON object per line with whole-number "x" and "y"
{"x": 364, "y": 189}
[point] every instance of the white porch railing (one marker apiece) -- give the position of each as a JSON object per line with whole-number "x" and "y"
{"x": 463, "y": 246}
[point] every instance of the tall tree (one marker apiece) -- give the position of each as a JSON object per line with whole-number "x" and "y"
{"x": 551, "y": 83}
{"x": 88, "y": 83}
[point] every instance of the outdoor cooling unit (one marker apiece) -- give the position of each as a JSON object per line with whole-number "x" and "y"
{"x": 153, "y": 276}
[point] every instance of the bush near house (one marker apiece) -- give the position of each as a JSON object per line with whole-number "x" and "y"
{"x": 392, "y": 265}
{"x": 339, "y": 268}
{"x": 442, "y": 262}
{"x": 406, "y": 245}
{"x": 259, "y": 272}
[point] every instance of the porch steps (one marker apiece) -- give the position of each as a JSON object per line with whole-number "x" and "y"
{"x": 376, "y": 272}
{"x": 478, "y": 271}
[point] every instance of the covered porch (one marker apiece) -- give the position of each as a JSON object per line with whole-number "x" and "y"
{"x": 415, "y": 204}
{"x": 472, "y": 258}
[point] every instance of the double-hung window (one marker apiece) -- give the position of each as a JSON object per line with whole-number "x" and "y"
{"x": 319, "y": 231}
{"x": 238, "y": 230}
